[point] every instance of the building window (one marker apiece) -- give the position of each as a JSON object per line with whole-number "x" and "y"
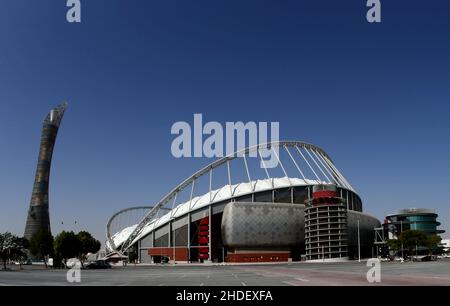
{"x": 246, "y": 198}
{"x": 283, "y": 195}
{"x": 300, "y": 195}
{"x": 265, "y": 196}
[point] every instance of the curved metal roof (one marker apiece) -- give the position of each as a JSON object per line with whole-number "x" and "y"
{"x": 413, "y": 211}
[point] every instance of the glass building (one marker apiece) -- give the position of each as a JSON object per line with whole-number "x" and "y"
{"x": 413, "y": 219}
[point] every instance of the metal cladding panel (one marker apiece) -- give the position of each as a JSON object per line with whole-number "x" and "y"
{"x": 162, "y": 231}
{"x": 367, "y": 224}
{"x": 246, "y": 224}
{"x": 200, "y": 214}
{"x": 144, "y": 256}
{"x": 179, "y": 223}
{"x": 218, "y": 208}
{"x": 147, "y": 241}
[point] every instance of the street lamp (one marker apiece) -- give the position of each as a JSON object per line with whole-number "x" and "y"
{"x": 359, "y": 245}
{"x": 401, "y": 231}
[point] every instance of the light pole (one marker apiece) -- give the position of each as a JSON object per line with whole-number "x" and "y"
{"x": 174, "y": 246}
{"x": 359, "y": 245}
{"x": 401, "y": 231}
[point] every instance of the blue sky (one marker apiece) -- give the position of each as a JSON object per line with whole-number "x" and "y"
{"x": 376, "y": 97}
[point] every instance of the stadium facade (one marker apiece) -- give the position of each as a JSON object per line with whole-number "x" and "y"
{"x": 314, "y": 215}
{"x": 38, "y": 217}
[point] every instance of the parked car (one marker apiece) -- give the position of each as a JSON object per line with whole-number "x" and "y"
{"x": 26, "y": 262}
{"x": 98, "y": 264}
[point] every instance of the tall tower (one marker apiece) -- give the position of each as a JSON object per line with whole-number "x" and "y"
{"x": 38, "y": 214}
{"x": 326, "y": 225}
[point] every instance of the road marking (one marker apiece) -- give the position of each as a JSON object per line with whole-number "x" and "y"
{"x": 201, "y": 284}
{"x": 302, "y": 279}
{"x": 208, "y": 276}
{"x": 161, "y": 285}
{"x": 289, "y": 283}
{"x": 235, "y": 276}
{"x": 243, "y": 284}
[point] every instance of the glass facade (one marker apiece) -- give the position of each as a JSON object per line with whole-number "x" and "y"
{"x": 246, "y": 198}
{"x": 427, "y": 227}
{"x": 353, "y": 200}
{"x": 301, "y": 194}
{"x": 283, "y": 195}
{"x": 265, "y": 196}
{"x": 415, "y": 220}
{"x": 298, "y": 195}
{"x": 422, "y": 218}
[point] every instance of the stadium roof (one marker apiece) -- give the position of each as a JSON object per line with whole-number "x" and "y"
{"x": 311, "y": 162}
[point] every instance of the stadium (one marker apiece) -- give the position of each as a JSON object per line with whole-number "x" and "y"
{"x": 237, "y": 210}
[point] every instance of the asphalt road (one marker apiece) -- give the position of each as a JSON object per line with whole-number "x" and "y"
{"x": 296, "y": 274}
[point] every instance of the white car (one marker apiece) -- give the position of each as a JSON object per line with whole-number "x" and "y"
{"x": 71, "y": 262}
{"x": 27, "y": 262}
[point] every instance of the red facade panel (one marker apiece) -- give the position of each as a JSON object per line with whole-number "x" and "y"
{"x": 258, "y": 257}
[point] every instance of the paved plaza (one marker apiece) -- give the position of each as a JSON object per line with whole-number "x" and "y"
{"x": 295, "y": 274}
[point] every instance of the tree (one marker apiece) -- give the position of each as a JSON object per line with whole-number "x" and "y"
{"x": 10, "y": 247}
{"x": 394, "y": 244}
{"x": 19, "y": 254}
{"x": 41, "y": 245}
{"x": 412, "y": 239}
{"x": 88, "y": 244}
{"x": 67, "y": 245}
{"x": 432, "y": 242}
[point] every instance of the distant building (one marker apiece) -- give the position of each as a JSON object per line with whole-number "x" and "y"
{"x": 446, "y": 244}
{"x": 412, "y": 219}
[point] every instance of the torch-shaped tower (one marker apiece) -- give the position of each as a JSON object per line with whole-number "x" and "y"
{"x": 38, "y": 213}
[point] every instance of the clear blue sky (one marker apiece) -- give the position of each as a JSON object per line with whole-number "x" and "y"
{"x": 376, "y": 97}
